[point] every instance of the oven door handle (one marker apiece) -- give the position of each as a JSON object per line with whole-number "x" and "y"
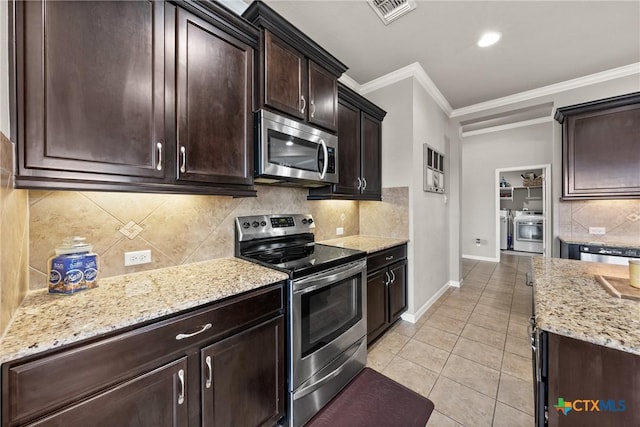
{"x": 315, "y": 282}
{"x": 349, "y": 355}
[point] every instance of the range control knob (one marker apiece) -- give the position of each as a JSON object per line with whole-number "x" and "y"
{"x": 263, "y": 223}
{"x": 304, "y": 220}
{"x": 310, "y": 221}
{"x": 246, "y": 225}
{"x": 256, "y": 224}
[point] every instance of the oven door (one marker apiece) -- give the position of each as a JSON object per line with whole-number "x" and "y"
{"x": 328, "y": 317}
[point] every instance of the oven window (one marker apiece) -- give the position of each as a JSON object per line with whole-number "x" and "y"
{"x": 529, "y": 231}
{"x": 289, "y": 151}
{"x": 328, "y": 312}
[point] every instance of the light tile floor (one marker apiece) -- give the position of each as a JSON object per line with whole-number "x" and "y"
{"x": 469, "y": 352}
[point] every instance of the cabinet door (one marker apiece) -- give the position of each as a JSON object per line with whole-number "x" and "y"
{"x": 376, "y": 304}
{"x": 371, "y": 155}
{"x": 214, "y": 93}
{"x": 243, "y": 378}
{"x": 602, "y": 153}
{"x": 156, "y": 399}
{"x": 397, "y": 290}
{"x": 349, "y": 149}
{"x": 323, "y": 97}
{"x": 284, "y": 77}
{"x": 91, "y": 88}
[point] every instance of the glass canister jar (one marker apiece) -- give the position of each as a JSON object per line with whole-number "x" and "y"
{"x": 73, "y": 268}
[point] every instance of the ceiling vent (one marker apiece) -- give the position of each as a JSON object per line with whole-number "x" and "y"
{"x": 390, "y": 10}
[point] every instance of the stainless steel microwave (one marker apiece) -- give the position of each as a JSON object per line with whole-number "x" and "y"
{"x": 288, "y": 151}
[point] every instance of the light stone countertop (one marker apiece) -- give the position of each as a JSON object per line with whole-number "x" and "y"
{"x": 601, "y": 240}
{"x": 44, "y": 322}
{"x": 569, "y": 301}
{"x": 369, "y": 244}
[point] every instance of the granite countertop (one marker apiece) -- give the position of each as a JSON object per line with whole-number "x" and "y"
{"x": 44, "y": 321}
{"x": 570, "y": 301}
{"x": 601, "y": 240}
{"x": 369, "y": 244}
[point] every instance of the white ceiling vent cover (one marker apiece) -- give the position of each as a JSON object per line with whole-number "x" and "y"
{"x": 390, "y": 10}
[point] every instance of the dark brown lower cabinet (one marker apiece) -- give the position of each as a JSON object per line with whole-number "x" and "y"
{"x": 583, "y": 373}
{"x": 220, "y": 364}
{"x": 155, "y": 399}
{"x": 386, "y": 289}
{"x": 243, "y": 382}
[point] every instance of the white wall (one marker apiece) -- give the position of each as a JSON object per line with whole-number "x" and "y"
{"x": 4, "y": 68}
{"x": 455, "y": 203}
{"x": 413, "y": 118}
{"x": 481, "y": 156}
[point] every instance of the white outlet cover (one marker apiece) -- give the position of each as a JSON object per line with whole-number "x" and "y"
{"x": 339, "y": 231}
{"x": 137, "y": 257}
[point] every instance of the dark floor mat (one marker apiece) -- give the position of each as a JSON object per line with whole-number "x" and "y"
{"x": 371, "y": 399}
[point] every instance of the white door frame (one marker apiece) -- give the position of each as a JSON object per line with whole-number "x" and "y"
{"x": 546, "y": 202}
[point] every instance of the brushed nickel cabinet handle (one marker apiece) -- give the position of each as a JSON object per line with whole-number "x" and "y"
{"x": 159, "y": 147}
{"x": 386, "y": 275}
{"x": 312, "y": 108}
{"x": 364, "y": 183}
{"x": 393, "y": 276}
{"x": 359, "y": 183}
{"x": 189, "y": 335}
{"x": 304, "y": 104}
{"x": 209, "y": 372}
{"x": 181, "y": 379}
{"x": 389, "y": 258}
{"x": 183, "y": 163}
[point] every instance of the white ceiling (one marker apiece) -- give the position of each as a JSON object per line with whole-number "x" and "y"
{"x": 543, "y": 42}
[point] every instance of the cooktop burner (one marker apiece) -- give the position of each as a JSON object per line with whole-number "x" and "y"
{"x": 285, "y": 242}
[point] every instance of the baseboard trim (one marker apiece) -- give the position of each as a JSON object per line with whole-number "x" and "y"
{"x": 480, "y": 258}
{"x": 413, "y": 317}
{"x": 454, "y": 283}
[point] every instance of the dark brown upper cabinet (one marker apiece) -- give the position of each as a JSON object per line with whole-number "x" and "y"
{"x": 215, "y": 124}
{"x": 359, "y": 152}
{"x": 601, "y": 148}
{"x": 100, "y": 86}
{"x": 296, "y": 76}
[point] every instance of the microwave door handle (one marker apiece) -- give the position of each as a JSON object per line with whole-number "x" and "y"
{"x": 325, "y": 151}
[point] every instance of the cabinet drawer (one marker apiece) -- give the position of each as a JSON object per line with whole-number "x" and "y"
{"x": 53, "y": 381}
{"x": 385, "y": 257}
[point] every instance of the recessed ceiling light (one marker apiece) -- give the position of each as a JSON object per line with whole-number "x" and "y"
{"x": 488, "y": 39}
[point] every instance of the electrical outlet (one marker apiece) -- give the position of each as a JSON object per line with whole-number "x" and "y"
{"x": 339, "y": 231}
{"x": 597, "y": 230}
{"x": 137, "y": 257}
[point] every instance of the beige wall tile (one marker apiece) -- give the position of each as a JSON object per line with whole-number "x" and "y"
{"x": 610, "y": 214}
{"x": 112, "y": 261}
{"x": 127, "y": 206}
{"x": 14, "y": 244}
{"x": 388, "y": 218}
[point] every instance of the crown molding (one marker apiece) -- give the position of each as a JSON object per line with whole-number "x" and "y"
{"x": 412, "y": 70}
{"x": 514, "y": 125}
{"x": 615, "y": 73}
{"x": 350, "y": 83}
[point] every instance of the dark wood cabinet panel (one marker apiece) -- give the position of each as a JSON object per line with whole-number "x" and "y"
{"x": 601, "y": 148}
{"x": 386, "y": 289}
{"x": 349, "y": 150}
{"x": 376, "y": 305}
{"x": 156, "y": 399}
{"x": 91, "y": 86}
{"x": 323, "y": 97}
{"x": 580, "y": 370}
{"x": 243, "y": 378}
{"x": 284, "y": 77}
{"x": 107, "y": 94}
{"x": 214, "y": 91}
{"x": 371, "y": 156}
{"x": 397, "y": 291}
{"x": 359, "y": 150}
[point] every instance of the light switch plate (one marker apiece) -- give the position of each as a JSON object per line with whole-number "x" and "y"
{"x": 597, "y": 230}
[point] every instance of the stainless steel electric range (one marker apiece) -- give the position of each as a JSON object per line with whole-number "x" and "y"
{"x": 326, "y": 308}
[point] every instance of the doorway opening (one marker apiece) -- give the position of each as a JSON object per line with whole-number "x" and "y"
{"x": 523, "y": 210}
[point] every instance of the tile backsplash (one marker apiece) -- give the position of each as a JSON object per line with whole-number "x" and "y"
{"x": 14, "y": 244}
{"x": 389, "y": 218}
{"x": 177, "y": 228}
{"x": 619, "y": 218}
